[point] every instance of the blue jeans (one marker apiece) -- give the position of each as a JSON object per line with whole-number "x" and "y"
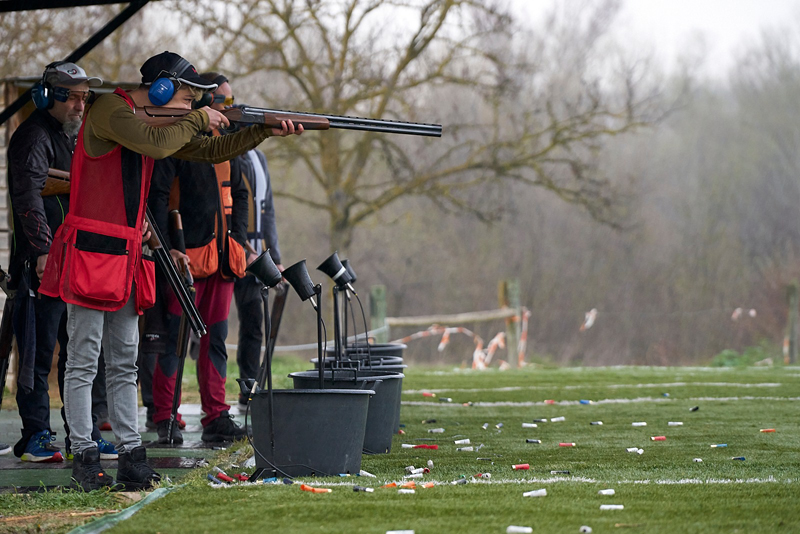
{"x": 118, "y": 333}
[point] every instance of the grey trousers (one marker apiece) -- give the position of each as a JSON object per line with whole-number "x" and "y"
{"x": 119, "y": 334}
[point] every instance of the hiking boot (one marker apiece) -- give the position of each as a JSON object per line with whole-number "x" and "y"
{"x": 134, "y": 472}
{"x": 163, "y": 432}
{"x": 5, "y": 448}
{"x": 41, "y": 449}
{"x": 222, "y": 429}
{"x": 87, "y": 473}
{"x": 107, "y": 450}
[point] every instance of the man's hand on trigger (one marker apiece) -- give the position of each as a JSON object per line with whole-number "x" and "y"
{"x": 216, "y": 120}
{"x": 41, "y": 261}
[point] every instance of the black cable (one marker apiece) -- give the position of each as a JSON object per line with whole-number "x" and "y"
{"x": 366, "y": 330}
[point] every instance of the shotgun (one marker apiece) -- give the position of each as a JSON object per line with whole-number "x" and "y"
{"x": 160, "y": 116}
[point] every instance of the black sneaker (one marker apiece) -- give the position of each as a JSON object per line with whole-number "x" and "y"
{"x": 87, "y": 473}
{"x": 134, "y": 472}
{"x": 222, "y": 429}
{"x": 163, "y": 432}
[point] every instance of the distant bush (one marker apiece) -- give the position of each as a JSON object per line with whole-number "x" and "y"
{"x": 762, "y": 354}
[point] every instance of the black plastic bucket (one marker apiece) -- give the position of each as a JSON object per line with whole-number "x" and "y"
{"x": 383, "y": 417}
{"x": 361, "y": 350}
{"x": 318, "y": 432}
{"x": 354, "y": 363}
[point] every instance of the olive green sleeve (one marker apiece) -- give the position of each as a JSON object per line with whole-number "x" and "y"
{"x": 218, "y": 149}
{"x": 111, "y": 122}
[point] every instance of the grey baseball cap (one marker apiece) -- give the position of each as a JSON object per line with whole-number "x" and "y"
{"x": 69, "y": 74}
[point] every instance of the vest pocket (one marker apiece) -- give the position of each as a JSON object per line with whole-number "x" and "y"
{"x": 237, "y": 259}
{"x": 98, "y": 266}
{"x": 146, "y": 283}
{"x": 203, "y": 261}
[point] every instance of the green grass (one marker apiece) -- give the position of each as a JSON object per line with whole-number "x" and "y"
{"x": 662, "y": 490}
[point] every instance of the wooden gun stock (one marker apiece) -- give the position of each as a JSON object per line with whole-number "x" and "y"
{"x": 57, "y": 183}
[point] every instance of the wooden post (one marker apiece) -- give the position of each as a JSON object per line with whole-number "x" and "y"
{"x": 377, "y": 312}
{"x": 508, "y": 296}
{"x": 791, "y": 294}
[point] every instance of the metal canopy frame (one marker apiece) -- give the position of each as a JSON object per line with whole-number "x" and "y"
{"x": 27, "y": 5}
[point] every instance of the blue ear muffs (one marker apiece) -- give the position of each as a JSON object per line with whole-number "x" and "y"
{"x": 42, "y": 95}
{"x": 161, "y": 91}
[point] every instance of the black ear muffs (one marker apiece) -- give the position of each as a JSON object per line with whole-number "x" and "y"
{"x": 163, "y": 89}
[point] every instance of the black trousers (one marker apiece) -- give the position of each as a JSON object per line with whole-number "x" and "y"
{"x": 247, "y": 295}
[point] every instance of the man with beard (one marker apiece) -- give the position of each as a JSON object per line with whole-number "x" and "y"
{"x": 46, "y": 139}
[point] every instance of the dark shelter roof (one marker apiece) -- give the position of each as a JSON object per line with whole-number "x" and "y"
{"x": 7, "y": 6}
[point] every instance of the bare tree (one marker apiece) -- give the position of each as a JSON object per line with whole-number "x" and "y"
{"x": 517, "y": 105}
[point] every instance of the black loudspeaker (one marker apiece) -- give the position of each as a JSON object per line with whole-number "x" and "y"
{"x": 297, "y": 276}
{"x": 350, "y": 271}
{"x": 334, "y": 269}
{"x": 265, "y": 270}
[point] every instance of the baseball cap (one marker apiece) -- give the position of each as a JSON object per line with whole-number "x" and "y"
{"x": 69, "y": 74}
{"x": 172, "y": 66}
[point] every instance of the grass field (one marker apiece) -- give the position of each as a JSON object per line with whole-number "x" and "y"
{"x": 662, "y": 489}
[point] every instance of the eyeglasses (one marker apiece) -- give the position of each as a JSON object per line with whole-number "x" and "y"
{"x": 222, "y": 99}
{"x": 83, "y": 96}
{"x": 62, "y": 94}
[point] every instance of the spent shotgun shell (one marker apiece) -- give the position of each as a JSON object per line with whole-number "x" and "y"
{"x": 430, "y": 464}
{"x": 485, "y": 426}
{"x": 596, "y": 423}
{"x": 612, "y": 507}
{"x": 606, "y": 492}
{"x": 214, "y": 480}
{"x": 428, "y": 421}
{"x": 427, "y": 394}
{"x": 459, "y": 482}
{"x": 675, "y": 423}
{"x": 565, "y": 444}
{"x": 698, "y": 460}
{"x": 413, "y": 475}
{"x": 445, "y": 399}
{"x": 543, "y": 420}
{"x": 461, "y": 441}
{"x": 557, "y": 472}
{"x": 406, "y": 491}
{"x": 515, "y": 529}
{"x": 738, "y": 458}
{"x": 530, "y": 425}
{"x": 466, "y": 449}
{"x": 536, "y": 493}
{"x": 632, "y": 449}
{"x": 639, "y": 423}
{"x": 658, "y": 438}
{"x": 362, "y": 488}
{"x": 557, "y": 419}
{"x": 499, "y": 425}
{"x": 766, "y": 430}
{"x": 549, "y": 401}
{"x": 585, "y": 530}
{"x": 310, "y": 489}
{"x": 533, "y": 441}
{"x": 436, "y": 431}
{"x": 518, "y": 467}
{"x": 719, "y": 445}
{"x": 694, "y": 408}
{"x": 585, "y": 401}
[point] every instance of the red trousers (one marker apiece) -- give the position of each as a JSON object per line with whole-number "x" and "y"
{"x": 213, "y": 301}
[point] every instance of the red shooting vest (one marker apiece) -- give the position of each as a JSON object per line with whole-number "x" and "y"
{"x": 96, "y": 256}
